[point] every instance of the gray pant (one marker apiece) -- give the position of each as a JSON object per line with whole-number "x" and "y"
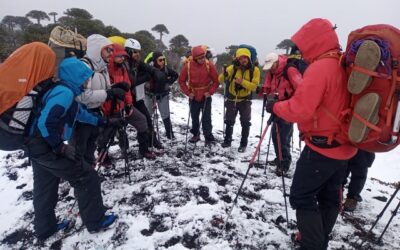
{"x": 162, "y": 103}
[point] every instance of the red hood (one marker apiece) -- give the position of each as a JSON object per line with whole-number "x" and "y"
{"x": 316, "y": 38}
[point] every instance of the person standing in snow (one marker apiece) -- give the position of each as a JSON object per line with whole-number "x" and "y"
{"x": 199, "y": 80}
{"x": 280, "y": 82}
{"x": 119, "y": 76}
{"x": 98, "y": 54}
{"x": 243, "y": 80}
{"x": 321, "y": 168}
{"x": 53, "y": 160}
{"x": 139, "y": 73}
{"x": 158, "y": 88}
{"x": 358, "y": 167}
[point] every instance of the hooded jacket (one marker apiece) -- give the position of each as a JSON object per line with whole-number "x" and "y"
{"x": 59, "y": 109}
{"x": 242, "y": 92}
{"x": 198, "y": 79}
{"x": 163, "y": 77}
{"x": 118, "y": 73}
{"x": 95, "y": 94}
{"x": 322, "y": 93}
{"x": 275, "y": 82}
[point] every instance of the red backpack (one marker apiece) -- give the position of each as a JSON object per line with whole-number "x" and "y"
{"x": 372, "y": 60}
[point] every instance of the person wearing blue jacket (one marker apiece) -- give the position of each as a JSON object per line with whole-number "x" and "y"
{"x": 53, "y": 160}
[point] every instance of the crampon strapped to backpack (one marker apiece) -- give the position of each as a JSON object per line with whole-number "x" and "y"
{"x": 372, "y": 66}
{"x": 24, "y": 77}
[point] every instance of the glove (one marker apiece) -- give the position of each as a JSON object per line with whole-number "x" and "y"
{"x": 115, "y": 122}
{"x": 269, "y": 107}
{"x": 116, "y": 93}
{"x": 128, "y": 109}
{"x": 122, "y": 85}
{"x": 66, "y": 151}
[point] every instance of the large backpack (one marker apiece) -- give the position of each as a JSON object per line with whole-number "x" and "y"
{"x": 298, "y": 63}
{"x": 372, "y": 66}
{"x": 66, "y": 43}
{"x": 24, "y": 77}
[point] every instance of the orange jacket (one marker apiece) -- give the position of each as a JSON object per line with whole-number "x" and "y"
{"x": 322, "y": 92}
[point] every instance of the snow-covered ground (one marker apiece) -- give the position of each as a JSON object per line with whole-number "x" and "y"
{"x": 180, "y": 202}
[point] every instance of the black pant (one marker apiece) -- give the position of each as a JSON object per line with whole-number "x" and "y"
{"x": 84, "y": 139}
{"x": 358, "y": 167}
{"x": 244, "y": 110}
{"x": 315, "y": 193}
{"x": 285, "y": 133}
{"x": 195, "y": 108}
{"x": 48, "y": 169}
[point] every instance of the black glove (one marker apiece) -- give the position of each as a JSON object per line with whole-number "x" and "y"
{"x": 122, "y": 85}
{"x": 271, "y": 100}
{"x": 128, "y": 108}
{"x": 66, "y": 151}
{"x": 116, "y": 93}
{"x": 116, "y": 122}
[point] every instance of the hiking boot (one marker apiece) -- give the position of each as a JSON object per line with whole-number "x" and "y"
{"x": 242, "y": 148}
{"x": 226, "y": 144}
{"x": 149, "y": 155}
{"x": 274, "y": 162}
{"x": 368, "y": 57}
{"x": 296, "y": 238}
{"x": 350, "y": 205}
{"x": 280, "y": 171}
{"x": 105, "y": 223}
{"x": 367, "y": 107}
{"x": 194, "y": 139}
{"x": 209, "y": 139}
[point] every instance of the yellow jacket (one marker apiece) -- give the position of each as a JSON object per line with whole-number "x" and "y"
{"x": 246, "y": 87}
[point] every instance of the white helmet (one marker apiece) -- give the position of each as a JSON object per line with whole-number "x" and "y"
{"x": 132, "y": 44}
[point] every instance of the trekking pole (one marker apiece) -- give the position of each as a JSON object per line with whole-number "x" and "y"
{"x": 156, "y": 117}
{"x": 266, "y": 158}
{"x": 226, "y": 84}
{"x": 278, "y": 139}
{"x": 387, "y": 225}
{"x": 187, "y": 127}
{"x": 292, "y": 144}
{"x": 125, "y": 144}
{"x": 248, "y": 170}
{"x": 378, "y": 217}
{"x": 262, "y": 123}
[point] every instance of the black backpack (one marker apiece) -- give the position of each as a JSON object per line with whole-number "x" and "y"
{"x": 298, "y": 63}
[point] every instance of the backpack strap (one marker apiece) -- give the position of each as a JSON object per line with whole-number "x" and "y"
{"x": 188, "y": 72}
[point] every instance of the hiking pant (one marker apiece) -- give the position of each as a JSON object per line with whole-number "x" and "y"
{"x": 152, "y": 136}
{"x": 285, "y": 133}
{"x": 358, "y": 167}
{"x": 48, "y": 169}
{"x": 315, "y": 194}
{"x": 84, "y": 139}
{"x": 244, "y": 109}
{"x": 195, "y": 108}
{"x": 162, "y": 104}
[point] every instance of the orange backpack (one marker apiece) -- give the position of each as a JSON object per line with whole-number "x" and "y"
{"x": 24, "y": 77}
{"x": 372, "y": 59}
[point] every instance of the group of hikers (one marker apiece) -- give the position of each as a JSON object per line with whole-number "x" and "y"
{"x": 110, "y": 87}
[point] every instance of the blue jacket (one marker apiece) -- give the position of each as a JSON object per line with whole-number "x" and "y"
{"x": 59, "y": 109}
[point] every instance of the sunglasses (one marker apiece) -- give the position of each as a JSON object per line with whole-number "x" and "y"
{"x": 109, "y": 49}
{"x": 161, "y": 60}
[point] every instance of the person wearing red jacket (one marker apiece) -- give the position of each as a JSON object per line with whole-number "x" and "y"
{"x": 316, "y": 106}
{"x": 280, "y": 82}
{"x": 119, "y": 76}
{"x": 199, "y": 80}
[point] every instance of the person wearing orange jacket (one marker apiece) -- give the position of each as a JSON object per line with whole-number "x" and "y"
{"x": 199, "y": 80}
{"x": 321, "y": 168}
{"x": 119, "y": 76}
{"x": 280, "y": 82}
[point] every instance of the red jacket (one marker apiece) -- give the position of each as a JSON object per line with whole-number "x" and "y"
{"x": 322, "y": 93}
{"x": 198, "y": 78}
{"x": 118, "y": 73}
{"x": 275, "y": 82}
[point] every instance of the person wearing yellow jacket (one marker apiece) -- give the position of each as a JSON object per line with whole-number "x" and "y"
{"x": 241, "y": 79}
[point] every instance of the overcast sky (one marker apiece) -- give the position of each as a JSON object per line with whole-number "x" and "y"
{"x": 220, "y": 23}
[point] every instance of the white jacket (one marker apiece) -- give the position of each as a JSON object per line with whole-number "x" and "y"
{"x": 95, "y": 94}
